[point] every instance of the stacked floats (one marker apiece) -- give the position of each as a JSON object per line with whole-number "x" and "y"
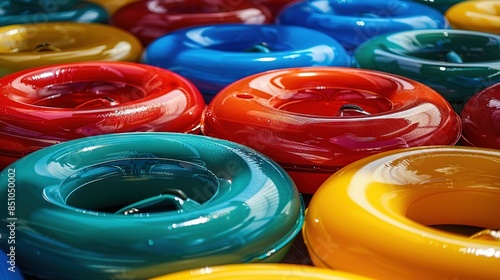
{"x": 358, "y": 104}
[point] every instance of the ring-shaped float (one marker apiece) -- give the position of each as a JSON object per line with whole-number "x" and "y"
{"x": 47, "y": 105}
{"x": 315, "y": 120}
{"x": 455, "y": 63}
{"x": 24, "y": 46}
{"x": 479, "y": 15}
{"x": 112, "y": 5}
{"x": 142, "y": 205}
{"x": 261, "y": 271}
{"x": 353, "y": 22}
{"x": 388, "y": 212}
{"x": 481, "y": 119}
{"x": 440, "y": 5}
{"x": 215, "y": 56}
{"x": 151, "y": 19}
{"x": 16, "y": 12}
{"x": 9, "y": 270}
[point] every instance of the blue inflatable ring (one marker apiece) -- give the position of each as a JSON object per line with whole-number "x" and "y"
{"x": 140, "y": 205}
{"x": 9, "y": 269}
{"x": 214, "y": 56}
{"x": 353, "y": 22}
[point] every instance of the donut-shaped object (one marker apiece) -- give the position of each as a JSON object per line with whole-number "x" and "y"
{"x": 112, "y": 5}
{"x": 378, "y": 212}
{"x": 440, "y": 5}
{"x": 215, "y": 56}
{"x": 274, "y": 5}
{"x": 261, "y": 271}
{"x": 9, "y": 269}
{"x": 481, "y": 119}
{"x": 142, "y": 205}
{"x": 353, "y": 22}
{"x": 26, "y": 46}
{"x": 455, "y": 63}
{"x": 315, "y": 120}
{"x": 151, "y": 19}
{"x": 47, "y": 105}
{"x": 480, "y": 15}
{"x": 17, "y": 12}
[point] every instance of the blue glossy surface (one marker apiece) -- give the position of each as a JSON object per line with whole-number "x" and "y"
{"x": 214, "y": 56}
{"x": 140, "y": 205}
{"x": 351, "y": 22}
{"x": 16, "y": 12}
{"x": 9, "y": 269}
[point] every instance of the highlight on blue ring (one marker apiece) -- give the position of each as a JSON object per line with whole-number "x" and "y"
{"x": 351, "y": 22}
{"x": 111, "y": 206}
{"x": 214, "y": 56}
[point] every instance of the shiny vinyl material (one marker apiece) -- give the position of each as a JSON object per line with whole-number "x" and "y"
{"x": 355, "y": 21}
{"x": 373, "y": 217}
{"x": 481, "y": 119}
{"x": 141, "y": 205}
{"x": 262, "y": 272}
{"x": 28, "y": 12}
{"x": 455, "y": 63}
{"x": 215, "y": 56}
{"x": 47, "y": 105}
{"x": 315, "y": 120}
{"x": 24, "y": 46}
{"x": 478, "y": 15}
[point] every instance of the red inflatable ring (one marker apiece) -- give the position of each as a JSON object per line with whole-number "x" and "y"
{"x": 315, "y": 120}
{"x": 47, "y": 105}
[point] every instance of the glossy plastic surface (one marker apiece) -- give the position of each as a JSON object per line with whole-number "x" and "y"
{"x": 455, "y": 63}
{"x": 9, "y": 269}
{"x": 274, "y": 5}
{"x": 262, "y": 272}
{"x": 315, "y": 120}
{"x": 380, "y": 209}
{"x": 26, "y": 46}
{"x": 151, "y": 19}
{"x": 479, "y": 15}
{"x": 353, "y": 22}
{"x": 212, "y": 57}
{"x": 47, "y": 105}
{"x": 141, "y": 205}
{"x": 18, "y": 12}
{"x": 440, "y": 5}
{"x": 112, "y": 5}
{"x": 481, "y": 119}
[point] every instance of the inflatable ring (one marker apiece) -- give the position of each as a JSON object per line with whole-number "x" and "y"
{"x": 440, "y": 5}
{"x": 213, "y": 57}
{"x": 481, "y": 119}
{"x": 47, "y": 105}
{"x": 261, "y": 271}
{"x": 110, "y": 206}
{"x": 273, "y": 5}
{"x": 151, "y": 19}
{"x": 32, "y": 45}
{"x": 455, "y": 63}
{"x": 112, "y": 5}
{"x": 355, "y": 21}
{"x": 480, "y": 15}
{"x": 51, "y": 11}
{"x": 315, "y": 120}
{"x": 379, "y": 211}
{"x": 8, "y": 266}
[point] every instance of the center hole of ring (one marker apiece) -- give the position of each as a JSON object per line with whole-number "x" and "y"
{"x": 112, "y": 185}
{"x": 328, "y": 102}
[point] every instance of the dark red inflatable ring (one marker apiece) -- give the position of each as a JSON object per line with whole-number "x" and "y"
{"x": 47, "y": 105}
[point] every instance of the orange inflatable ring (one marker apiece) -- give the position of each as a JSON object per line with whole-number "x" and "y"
{"x": 373, "y": 217}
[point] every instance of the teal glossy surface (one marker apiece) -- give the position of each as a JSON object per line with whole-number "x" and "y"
{"x": 27, "y": 12}
{"x": 455, "y": 63}
{"x": 190, "y": 200}
{"x": 440, "y": 5}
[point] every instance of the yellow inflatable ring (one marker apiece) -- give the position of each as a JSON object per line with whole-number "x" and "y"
{"x": 481, "y": 15}
{"x": 261, "y": 272}
{"x": 373, "y": 217}
{"x": 24, "y": 46}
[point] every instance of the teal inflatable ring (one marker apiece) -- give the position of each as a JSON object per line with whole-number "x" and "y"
{"x": 140, "y": 205}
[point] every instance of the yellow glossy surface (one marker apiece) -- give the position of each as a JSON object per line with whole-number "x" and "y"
{"x": 373, "y": 217}
{"x": 261, "y": 272}
{"x": 26, "y": 46}
{"x": 480, "y": 15}
{"x": 112, "y": 5}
